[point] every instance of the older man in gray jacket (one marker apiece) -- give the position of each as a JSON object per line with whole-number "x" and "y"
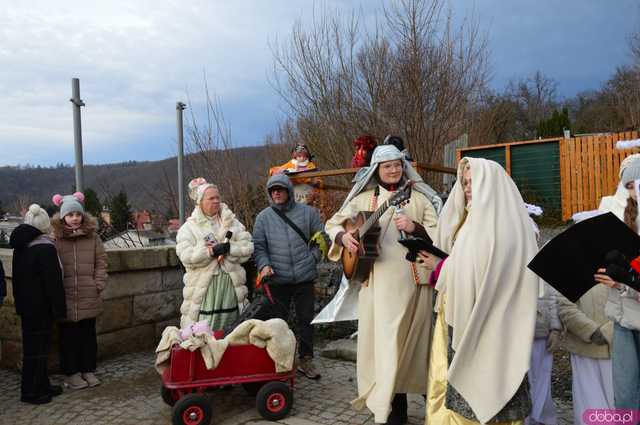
{"x": 283, "y": 252}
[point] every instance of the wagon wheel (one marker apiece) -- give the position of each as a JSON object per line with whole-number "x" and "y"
{"x": 192, "y": 409}
{"x": 274, "y": 400}
{"x": 252, "y": 388}
{"x": 167, "y": 395}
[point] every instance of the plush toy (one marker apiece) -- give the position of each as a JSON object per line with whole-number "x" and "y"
{"x": 300, "y": 161}
{"x": 364, "y": 146}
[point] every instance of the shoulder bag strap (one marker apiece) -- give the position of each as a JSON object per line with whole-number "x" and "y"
{"x": 291, "y": 224}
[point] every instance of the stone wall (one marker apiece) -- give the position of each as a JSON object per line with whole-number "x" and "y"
{"x": 143, "y": 295}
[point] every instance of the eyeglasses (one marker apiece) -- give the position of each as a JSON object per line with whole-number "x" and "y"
{"x": 278, "y": 189}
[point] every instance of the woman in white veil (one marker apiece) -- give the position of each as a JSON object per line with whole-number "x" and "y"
{"x": 486, "y": 301}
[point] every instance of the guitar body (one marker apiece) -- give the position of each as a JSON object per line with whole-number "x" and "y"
{"x": 358, "y": 266}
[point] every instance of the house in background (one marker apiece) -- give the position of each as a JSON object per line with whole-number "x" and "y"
{"x": 105, "y": 215}
{"x": 142, "y": 220}
{"x": 134, "y": 238}
{"x": 7, "y": 224}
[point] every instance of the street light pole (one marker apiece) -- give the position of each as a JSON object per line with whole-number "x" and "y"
{"x": 179, "y": 108}
{"x": 77, "y": 132}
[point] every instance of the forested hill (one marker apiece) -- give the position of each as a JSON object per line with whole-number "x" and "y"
{"x": 147, "y": 183}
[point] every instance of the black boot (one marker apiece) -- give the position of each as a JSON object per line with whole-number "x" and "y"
{"x": 398, "y": 415}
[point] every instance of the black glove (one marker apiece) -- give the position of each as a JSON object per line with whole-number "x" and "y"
{"x": 619, "y": 273}
{"x": 221, "y": 249}
{"x": 616, "y": 257}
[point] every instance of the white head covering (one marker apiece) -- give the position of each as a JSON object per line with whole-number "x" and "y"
{"x": 630, "y": 169}
{"x": 491, "y": 295}
{"x": 364, "y": 179}
{"x": 37, "y": 217}
{"x": 197, "y": 187}
{"x": 618, "y": 201}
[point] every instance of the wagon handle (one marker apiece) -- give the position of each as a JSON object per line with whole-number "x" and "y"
{"x": 263, "y": 282}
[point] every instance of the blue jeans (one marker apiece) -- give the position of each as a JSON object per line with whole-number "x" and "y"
{"x": 626, "y": 367}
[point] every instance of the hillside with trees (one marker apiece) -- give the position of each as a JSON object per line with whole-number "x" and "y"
{"x": 147, "y": 184}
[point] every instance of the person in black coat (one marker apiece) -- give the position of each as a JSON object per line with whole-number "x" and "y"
{"x": 3, "y": 284}
{"x": 38, "y": 292}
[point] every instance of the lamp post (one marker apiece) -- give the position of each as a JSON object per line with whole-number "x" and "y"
{"x": 77, "y": 132}
{"x": 179, "y": 108}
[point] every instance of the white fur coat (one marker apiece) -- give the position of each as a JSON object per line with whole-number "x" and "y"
{"x": 192, "y": 250}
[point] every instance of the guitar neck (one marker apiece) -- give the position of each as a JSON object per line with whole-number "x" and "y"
{"x": 373, "y": 218}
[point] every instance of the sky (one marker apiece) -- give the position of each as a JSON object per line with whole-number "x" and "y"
{"x": 135, "y": 60}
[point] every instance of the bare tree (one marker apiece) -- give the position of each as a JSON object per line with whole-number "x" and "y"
{"x": 414, "y": 74}
{"x": 162, "y": 194}
{"x": 623, "y": 92}
{"x": 634, "y": 44}
{"x": 616, "y": 106}
{"x": 22, "y": 203}
{"x": 535, "y": 98}
{"x": 211, "y": 155}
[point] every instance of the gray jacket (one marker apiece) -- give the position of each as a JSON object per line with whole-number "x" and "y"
{"x": 582, "y": 319}
{"x": 277, "y": 245}
{"x": 623, "y": 307}
{"x": 547, "y": 318}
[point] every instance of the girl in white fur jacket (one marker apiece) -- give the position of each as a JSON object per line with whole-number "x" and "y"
{"x": 214, "y": 280}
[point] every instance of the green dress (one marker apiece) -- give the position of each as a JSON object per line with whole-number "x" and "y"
{"x": 220, "y": 305}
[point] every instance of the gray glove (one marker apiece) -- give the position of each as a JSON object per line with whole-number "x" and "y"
{"x": 598, "y": 339}
{"x": 553, "y": 340}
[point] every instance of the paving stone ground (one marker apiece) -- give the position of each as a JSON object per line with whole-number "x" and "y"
{"x": 130, "y": 394}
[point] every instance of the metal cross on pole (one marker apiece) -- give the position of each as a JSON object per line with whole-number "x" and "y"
{"x": 179, "y": 108}
{"x": 77, "y": 132}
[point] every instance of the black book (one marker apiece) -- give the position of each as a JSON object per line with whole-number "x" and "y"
{"x": 569, "y": 261}
{"x": 415, "y": 244}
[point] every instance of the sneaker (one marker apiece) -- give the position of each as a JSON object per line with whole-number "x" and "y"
{"x": 75, "y": 382}
{"x": 91, "y": 379}
{"x": 55, "y": 390}
{"x": 307, "y": 368}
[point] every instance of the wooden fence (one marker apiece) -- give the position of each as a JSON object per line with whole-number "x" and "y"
{"x": 534, "y": 165}
{"x": 589, "y": 170}
{"x": 568, "y": 175}
{"x": 325, "y": 197}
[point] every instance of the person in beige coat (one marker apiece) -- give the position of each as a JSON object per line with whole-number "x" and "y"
{"x": 623, "y": 305}
{"x": 394, "y": 303}
{"x": 214, "y": 282}
{"x": 84, "y": 264}
{"x": 588, "y": 337}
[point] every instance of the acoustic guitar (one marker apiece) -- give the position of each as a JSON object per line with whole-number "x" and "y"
{"x": 366, "y": 231}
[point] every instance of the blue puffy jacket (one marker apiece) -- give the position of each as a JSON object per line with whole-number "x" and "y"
{"x": 277, "y": 245}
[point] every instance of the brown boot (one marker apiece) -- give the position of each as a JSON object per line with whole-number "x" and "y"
{"x": 306, "y": 367}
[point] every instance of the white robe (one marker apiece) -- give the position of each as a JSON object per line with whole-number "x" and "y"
{"x": 592, "y": 386}
{"x": 394, "y": 312}
{"x": 491, "y": 296}
{"x": 543, "y": 410}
